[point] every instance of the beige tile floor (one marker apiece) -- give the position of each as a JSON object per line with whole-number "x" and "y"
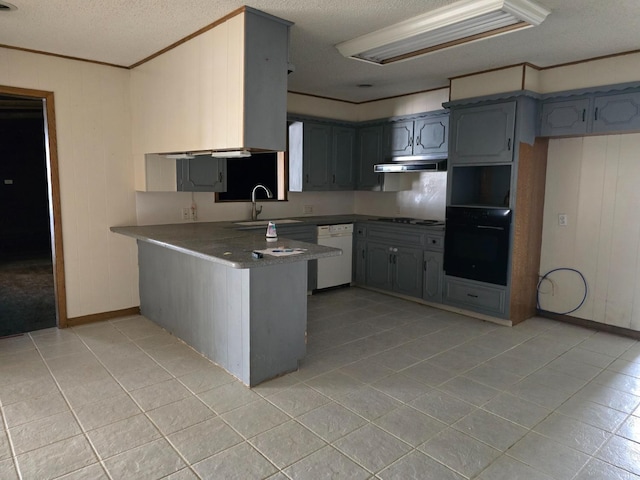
{"x": 389, "y": 390}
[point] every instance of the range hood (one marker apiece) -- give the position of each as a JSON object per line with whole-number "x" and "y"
{"x": 412, "y": 164}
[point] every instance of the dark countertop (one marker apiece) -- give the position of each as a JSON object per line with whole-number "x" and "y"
{"x": 217, "y": 242}
{"x": 231, "y": 244}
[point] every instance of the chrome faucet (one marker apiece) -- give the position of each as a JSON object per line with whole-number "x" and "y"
{"x": 255, "y": 211}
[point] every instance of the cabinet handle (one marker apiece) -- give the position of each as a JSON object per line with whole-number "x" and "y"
{"x": 472, "y": 295}
{"x": 411, "y": 141}
{"x": 306, "y": 178}
{"x": 584, "y": 114}
{"x": 596, "y": 116}
{"x": 391, "y": 258}
{"x": 333, "y": 178}
{"x": 424, "y": 265}
{"x": 394, "y": 259}
{"x": 220, "y": 177}
{"x": 509, "y": 144}
{"x": 418, "y": 141}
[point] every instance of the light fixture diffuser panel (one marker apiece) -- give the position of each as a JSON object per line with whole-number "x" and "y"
{"x": 461, "y": 22}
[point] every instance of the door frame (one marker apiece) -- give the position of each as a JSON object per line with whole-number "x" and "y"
{"x": 53, "y": 181}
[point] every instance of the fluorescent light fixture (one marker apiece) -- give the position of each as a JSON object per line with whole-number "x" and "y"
{"x": 232, "y": 154}
{"x": 180, "y": 156}
{"x": 461, "y": 22}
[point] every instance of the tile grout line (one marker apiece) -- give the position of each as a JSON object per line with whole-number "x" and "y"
{"x": 75, "y": 416}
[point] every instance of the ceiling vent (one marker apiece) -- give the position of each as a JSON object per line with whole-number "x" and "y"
{"x": 461, "y": 22}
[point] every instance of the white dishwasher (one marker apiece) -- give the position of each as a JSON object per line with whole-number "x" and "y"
{"x": 335, "y": 271}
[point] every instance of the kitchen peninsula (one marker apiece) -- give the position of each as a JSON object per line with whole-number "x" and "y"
{"x": 201, "y": 283}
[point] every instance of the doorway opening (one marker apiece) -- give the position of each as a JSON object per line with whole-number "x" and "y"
{"x": 31, "y": 262}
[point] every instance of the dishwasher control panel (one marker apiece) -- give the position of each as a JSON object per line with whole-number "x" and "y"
{"x": 339, "y": 229}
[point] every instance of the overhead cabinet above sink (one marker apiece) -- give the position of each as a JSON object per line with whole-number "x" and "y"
{"x": 225, "y": 90}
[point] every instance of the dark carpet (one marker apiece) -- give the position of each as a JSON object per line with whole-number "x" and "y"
{"x": 27, "y": 298}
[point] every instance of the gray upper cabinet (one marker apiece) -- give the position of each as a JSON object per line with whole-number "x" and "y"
{"x": 616, "y": 113}
{"x": 201, "y": 174}
{"x": 370, "y": 152}
{"x": 483, "y": 134}
{"x": 590, "y": 113}
{"x": 565, "y": 117}
{"x": 342, "y": 160}
{"x": 431, "y": 135}
{"x": 421, "y": 137}
{"x": 399, "y": 138}
{"x": 321, "y": 156}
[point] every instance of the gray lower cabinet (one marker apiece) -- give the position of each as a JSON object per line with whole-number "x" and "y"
{"x": 432, "y": 281}
{"x": 398, "y": 269}
{"x": 360, "y": 254}
{"x": 483, "y": 133}
{"x": 406, "y": 273}
{"x": 476, "y": 296}
{"x": 378, "y": 265}
{"x": 403, "y": 259}
{"x": 201, "y": 174}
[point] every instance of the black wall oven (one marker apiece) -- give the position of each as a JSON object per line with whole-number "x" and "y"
{"x": 476, "y": 243}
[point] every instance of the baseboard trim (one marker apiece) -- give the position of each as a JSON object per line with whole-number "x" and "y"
{"x": 601, "y": 327}
{"x": 99, "y": 317}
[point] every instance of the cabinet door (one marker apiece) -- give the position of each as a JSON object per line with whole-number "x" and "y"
{"x": 616, "y": 113}
{"x": 568, "y": 117}
{"x": 399, "y": 138}
{"x": 407, "y": 271}
{"x": 483, "y": 133}
{"x": 369, "y": 154}
{"x": 344, "y": 149}
{"x": 201, "y": 174}
{"x": 317, "y": 156}
{"x": 379, "y": 258}
{"x": 360, "y": 263}
{"x": 431, "y": 135}
{"x": 432, "y": 280}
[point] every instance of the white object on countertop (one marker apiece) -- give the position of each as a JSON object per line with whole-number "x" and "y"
{"x": 271, "y": 230}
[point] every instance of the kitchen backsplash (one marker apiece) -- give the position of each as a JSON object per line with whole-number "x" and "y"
{"x": 425, "y": 200}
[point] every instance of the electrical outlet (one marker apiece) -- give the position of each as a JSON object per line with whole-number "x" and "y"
{"x": 562, "y": 219}
{"x": 306, "y": 209}
{"x": 185, "y": 213}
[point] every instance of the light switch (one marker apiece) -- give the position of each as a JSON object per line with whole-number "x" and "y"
{"x": 8, "y": 182}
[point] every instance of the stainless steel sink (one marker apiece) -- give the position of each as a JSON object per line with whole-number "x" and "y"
{"x": 257, "y": 223}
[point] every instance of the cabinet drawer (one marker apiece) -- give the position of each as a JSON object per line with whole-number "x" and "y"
{"x": 397, "y": 235}
{"x": 475, "y": 297}
{"x": 435, "y": 242}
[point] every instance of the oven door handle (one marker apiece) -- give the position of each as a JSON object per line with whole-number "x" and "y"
{"x": 488, "y": 227}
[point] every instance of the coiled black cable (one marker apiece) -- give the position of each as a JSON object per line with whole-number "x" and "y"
{"x": 544, "y": 277}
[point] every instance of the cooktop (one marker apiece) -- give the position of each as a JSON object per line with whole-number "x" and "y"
{"x": 412, "y": 221}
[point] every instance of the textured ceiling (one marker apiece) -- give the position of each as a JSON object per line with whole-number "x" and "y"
{"x": 122, "y": 32}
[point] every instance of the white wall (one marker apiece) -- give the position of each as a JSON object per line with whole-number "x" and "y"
{"x": 96, "y": 174}
{"x": 164, "y": 207}
{"x": 426, "y": 199}
{"x": 594, "y": 180}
